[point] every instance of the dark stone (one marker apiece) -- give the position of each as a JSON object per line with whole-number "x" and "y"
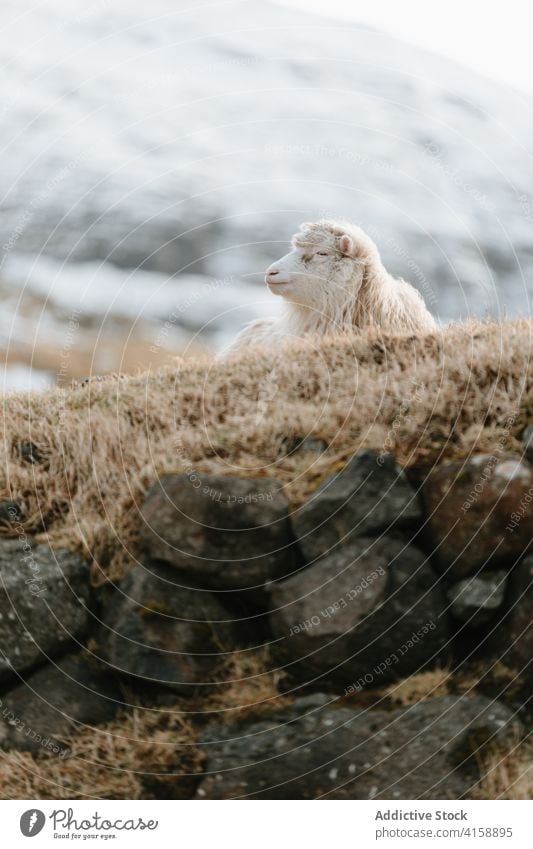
{"x": 429, "y": 750}
{"x": 55, "y": 702}
{"x": 368, "y": 613}
{"x": 166, "y": 634}
{"x": 368, "y": 496}
{"x": 10, "y": 512}
{"x": 479, "y": 513}
{"x": 512, "y": 640}
{"x": 475, "y": 601}
{"x": 44, "y": 595}
{"x": 225, "y": 532}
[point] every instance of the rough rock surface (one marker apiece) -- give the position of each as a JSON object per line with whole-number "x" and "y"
{"x": 164, "y": 633}
{"x": 55, "y": 701}
{"x": 371, "y": 611}
{"x": 225, "y": 532}
{"x": 425, "y": 751}
{"x": 369, "y": 495}
{"x": 480, "y": 512}
{"x": 43, "y": 602}
{"x": 513, "y": 639}
{"x": 476, "y": 600}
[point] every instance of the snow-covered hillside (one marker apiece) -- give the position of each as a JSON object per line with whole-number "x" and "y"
{"x": 188, "y": 140}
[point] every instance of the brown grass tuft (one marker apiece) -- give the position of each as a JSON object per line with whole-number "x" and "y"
{"x": 419, "y": 687}
{"x": 251, "y": 687}
{"x": 507, "y": 774}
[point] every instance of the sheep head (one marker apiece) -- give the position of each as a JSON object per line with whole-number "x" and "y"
{"x": 325, "y": 268}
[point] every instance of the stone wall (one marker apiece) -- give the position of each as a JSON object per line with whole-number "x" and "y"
{"x": 379, "y": 577}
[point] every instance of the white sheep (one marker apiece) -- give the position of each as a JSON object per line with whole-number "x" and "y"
{"x": 333, "y": 281}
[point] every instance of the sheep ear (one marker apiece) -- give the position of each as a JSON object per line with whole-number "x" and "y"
{"x": 347, "y": 245}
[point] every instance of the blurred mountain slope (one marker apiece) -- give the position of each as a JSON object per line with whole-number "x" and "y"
{"x": 192, "y": 139}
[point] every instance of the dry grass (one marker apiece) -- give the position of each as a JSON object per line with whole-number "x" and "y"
{"x": 100, "y": 446}
{"x": 126, "y": 759}
{"x": 419, "y": 687}
{"x": 507, "y": 774}
{"x": 251, "y": 687}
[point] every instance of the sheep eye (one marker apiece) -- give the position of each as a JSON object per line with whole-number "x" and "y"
{"x": 322, "y": 253}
